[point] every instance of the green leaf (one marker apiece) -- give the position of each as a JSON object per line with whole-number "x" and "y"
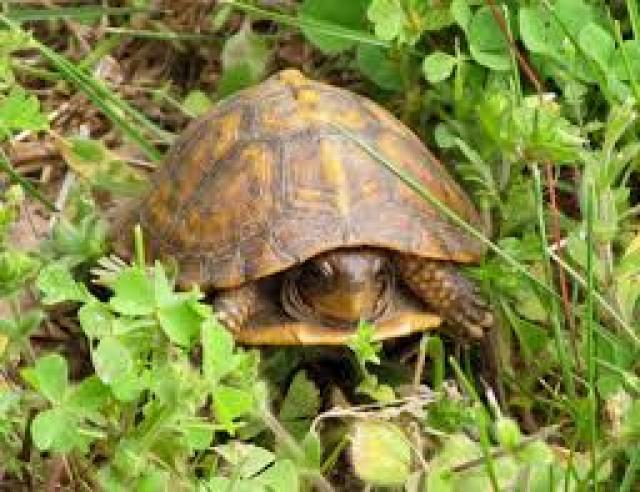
{"x": 338, "y": 13}
{"x": 461, "y": 12}
{"x": 102, "y": 168}
{"x": 233, "y": 80}
{"x": 95, "y": 319}
{"x": 50, "y": 376}
{"x": 539, "y": 30}
{"x": 89, "y": 395}
{"x": 248, "y": 49}
{"x": 111, "y": 360}
{"x": 230, "y": 404}
{"x": 134, "y": 293}
{"x": 375, "y": 64}
{"x": 363, "y": 345}
{"x": 632, "y": 51}
{"x": 181, "y": 319}
{"x": 154, "y": 480}
{"x": 248, "y": 460}
{"x": 380, "y": 453}
{"x": 302, "y": 399}
{"x": 487, "y": 43}
{"x": 53, "y": 429}
{"x": 20, "y": 111}
{"x": 198, "y": 434}
{"x": 438, "y": 66}
{"x": 573, "y": 14}
{"x": 282, "y": 476}
{"x": 598, "y": 44}
{"x": 57, "y": 285}
{"x": 16, "y": 268}
{"x": 197, "y": 102}
{"x": 217, "y": 351}
{"x": 388, "y": 18}
{"x": 300, "y": 405}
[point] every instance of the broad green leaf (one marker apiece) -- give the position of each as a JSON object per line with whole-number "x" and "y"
{"x": 388, "y": 18}
{"x": 217, "y": 351}
{"x": 248, "y": 459}
{"x": 279, "y": 477}
{"x": 598, "y": 44}
{"x": 134, "y": 293}
{"x": 248, "y": 49}
{"x": 573, "y": 14}
{"x": 230, "y": 404}
{"x": 374, "y": 62}
{"x": 154, "y": 480}
{"x": 20, "y": 111}
{"x": 95, "y": 319}
{"x": 111, "y": 360}
{"x": 338, "y": 13}
{"x": 50, "y": 376}
{"x": 300, "y": 405}
{"x": 53, "y": 429}
{"x": 438, "y": 66}
{"x": 89, "y": 395}
{"x": 380, "y": 453}
{"x": 198, "y": 434}
{"x": 487, "y": 43}
{"x": 181, "y": 320}
{"x": 461, "y": 12}
{"x": 233, "y": 80}
{"x": 57, "y": 285}
{"x": 539, "y": 30}
{"x": 302, "y": 399}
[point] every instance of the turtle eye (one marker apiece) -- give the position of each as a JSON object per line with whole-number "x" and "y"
{"x": 319, "y": 270}
{"x": 323, "y": 269}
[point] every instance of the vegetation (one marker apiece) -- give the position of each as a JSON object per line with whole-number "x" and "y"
{"x": 113, "y": 380}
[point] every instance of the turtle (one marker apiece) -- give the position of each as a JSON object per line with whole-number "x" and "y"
{"x": 275, "y": 197}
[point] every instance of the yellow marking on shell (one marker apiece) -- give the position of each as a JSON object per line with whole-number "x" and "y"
{"x": 220, "y": 138}
{"x": 273, "y": 120}
{"x": 157, "y": 206}
{"x": 308, "y": 97}
{"x": 333, "y": 173}
{"x": 292, "y": 77}
{"x": 351, "y": 119}
{"x": 227, "y": 133}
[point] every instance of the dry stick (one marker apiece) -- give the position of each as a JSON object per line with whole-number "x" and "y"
{"x": 555, "y": 223}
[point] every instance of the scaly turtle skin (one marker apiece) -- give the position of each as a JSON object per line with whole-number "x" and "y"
{"x": 266, "y": 193}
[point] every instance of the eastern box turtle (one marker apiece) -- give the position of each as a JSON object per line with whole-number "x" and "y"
{"x": 266, "y": 203}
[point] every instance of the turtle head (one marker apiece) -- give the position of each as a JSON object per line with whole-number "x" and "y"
{"x": 341, "y": 286}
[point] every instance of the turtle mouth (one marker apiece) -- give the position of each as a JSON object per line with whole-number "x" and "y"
{"x": 300, "y": 309}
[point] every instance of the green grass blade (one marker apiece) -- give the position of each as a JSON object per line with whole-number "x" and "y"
{"x": 163, "y": 35}
{"x": 555, "y": 311}
{"x": 591, "y": 360}
{"x": 84, "y": 13}
{"x": 31, "y": 190}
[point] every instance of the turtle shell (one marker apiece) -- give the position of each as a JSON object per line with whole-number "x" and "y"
{"x": 268, "y": 178}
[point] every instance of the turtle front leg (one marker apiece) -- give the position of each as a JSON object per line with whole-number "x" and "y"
{"x": 443, "y": 287}
{"x": 234, "y": 307}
